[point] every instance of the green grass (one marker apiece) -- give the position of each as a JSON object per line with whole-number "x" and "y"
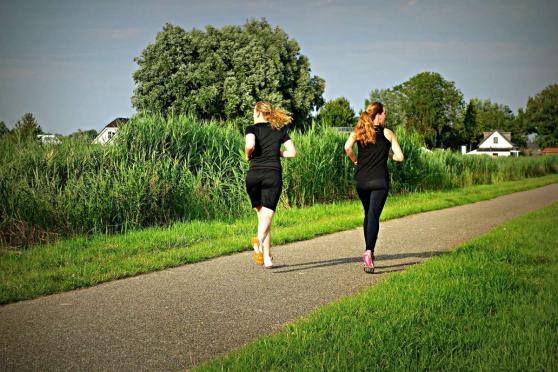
{"x": 82, "y": 262}
{"x": 490, "y": 305}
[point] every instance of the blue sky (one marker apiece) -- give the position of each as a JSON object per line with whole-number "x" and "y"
{"x": 70, "y": 63}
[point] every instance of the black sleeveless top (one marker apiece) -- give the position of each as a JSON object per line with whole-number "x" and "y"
{"x": 372, "y": 160}
{"x": 268, "y": 145}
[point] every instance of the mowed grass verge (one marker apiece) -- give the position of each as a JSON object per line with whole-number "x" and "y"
{"x": 492, "y": 304}
{"x": 86, "y": 261}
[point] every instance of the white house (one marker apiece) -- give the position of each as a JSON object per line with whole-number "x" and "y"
{"x": 109, "y": 131}
{"x": 495, "y": 143}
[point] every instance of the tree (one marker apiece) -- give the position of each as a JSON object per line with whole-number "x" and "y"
{"x": 542, "y": 115}
{"x": 222, "y": 73}
{"x": 393, "y": 104}
{"x": 27, "y": 128}
{"x": 470, "y": 130}
{"x": 432, "y": 106}
{"x": 520, "y": 129}
{"x": 3, "y": 129}
{"x": 466, "y": 131}
{"x": 337, "y": 113}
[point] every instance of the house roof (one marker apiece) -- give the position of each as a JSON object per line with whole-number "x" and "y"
{"x": 501, "y": 133}
{"x": 506, "y": 135}
{"x": 550, "y": 150}
{"x": 117, "y": 122}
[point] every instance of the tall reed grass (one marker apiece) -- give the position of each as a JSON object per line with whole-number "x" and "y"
{"x": 161, "y": 170}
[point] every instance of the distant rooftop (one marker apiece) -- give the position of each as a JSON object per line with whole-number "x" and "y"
{"x": 117, "y": 122}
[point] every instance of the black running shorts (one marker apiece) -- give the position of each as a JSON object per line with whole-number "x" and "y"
{"x": 264, "y": 187}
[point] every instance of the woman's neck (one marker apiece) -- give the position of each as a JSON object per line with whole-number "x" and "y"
{"x": 259, "y": 121}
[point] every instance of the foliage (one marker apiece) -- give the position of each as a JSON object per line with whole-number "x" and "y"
{"x": 320, "y": 172}
{"x": 221, "y": 73}
{"x": 542, "y": 114}
{"x": 337, "y": 113}
{"x": 27, "y": 128}
{"x": 432, "y": 106}
{"x": 84, "y": 135}
{"x": 469, "y": 132}
{"x": 3, "y": 129}
{"x": 393, "y": 105}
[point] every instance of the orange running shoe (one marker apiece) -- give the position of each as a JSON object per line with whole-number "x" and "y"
{"x": 258, "y": 254}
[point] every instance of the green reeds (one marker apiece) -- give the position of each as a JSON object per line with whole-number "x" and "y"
{"x": 160, "y": 170}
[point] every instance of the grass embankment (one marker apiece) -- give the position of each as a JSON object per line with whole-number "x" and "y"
{"x": 492, "y": 304}
{"x": 83, "y": 262}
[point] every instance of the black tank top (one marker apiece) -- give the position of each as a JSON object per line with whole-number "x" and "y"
{"x": 372, "y": 159}
{"x": 268, "y": 145}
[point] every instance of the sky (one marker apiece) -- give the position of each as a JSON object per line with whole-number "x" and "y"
{"x": 70, "y": 63}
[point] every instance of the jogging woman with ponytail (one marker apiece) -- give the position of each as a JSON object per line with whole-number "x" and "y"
{"x": 372, "y": 176}
{"x": 264, "y": 179}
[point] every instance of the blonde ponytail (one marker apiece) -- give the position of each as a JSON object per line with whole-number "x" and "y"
{"x": 277, "y": 117}
{"x": 364, "y": 130}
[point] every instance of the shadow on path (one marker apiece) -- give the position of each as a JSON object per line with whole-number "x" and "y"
{"x": 347, "y": 260}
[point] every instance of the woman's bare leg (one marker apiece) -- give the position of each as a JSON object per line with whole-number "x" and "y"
{"x": 265, "y": 216}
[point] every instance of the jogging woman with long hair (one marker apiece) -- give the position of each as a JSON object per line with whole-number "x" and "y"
{"x": 264, "y": 179}
{"x": 372, "y": 177}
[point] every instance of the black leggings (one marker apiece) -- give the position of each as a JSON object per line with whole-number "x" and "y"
{"x": 373, "y": 200}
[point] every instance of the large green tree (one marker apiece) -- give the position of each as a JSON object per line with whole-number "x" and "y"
{"x": 433, "y": 106}
{"x": 542, "y": 115}
{"x": 393, "y": 105}
{"x": 337, "y": 113}
{"x": 222, "y": 73}
{"x": 27, "y": 128}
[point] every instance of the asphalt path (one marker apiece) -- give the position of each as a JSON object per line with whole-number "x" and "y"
{"x": 176, "y": 318}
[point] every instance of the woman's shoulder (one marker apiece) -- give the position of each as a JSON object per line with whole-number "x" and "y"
{"x": 388, "y": 133}
{"x": 251, "y": 129}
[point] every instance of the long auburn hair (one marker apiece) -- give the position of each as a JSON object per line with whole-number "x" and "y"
{"x": 364, "y": 129}
{"x": 277, "y": 117}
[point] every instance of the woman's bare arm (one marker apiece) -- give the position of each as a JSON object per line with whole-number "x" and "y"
{"x": 397, "y": 153}
{"x": 291, "y": 150}
{"x": 250, "y": 145}
{"x": 349, "y": 148}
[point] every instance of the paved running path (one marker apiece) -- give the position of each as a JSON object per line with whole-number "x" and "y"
{"x": 173, "y": 319}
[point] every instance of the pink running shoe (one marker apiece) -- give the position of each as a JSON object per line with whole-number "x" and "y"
{"x": 368, "y": 262}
